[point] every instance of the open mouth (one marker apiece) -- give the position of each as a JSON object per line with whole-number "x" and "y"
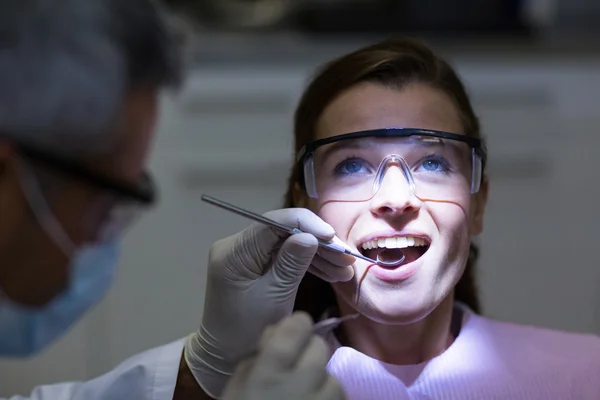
{"x": 392, "y": 248}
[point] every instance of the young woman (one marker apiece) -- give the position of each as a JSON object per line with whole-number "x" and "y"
{"x": 390, "y": 162}
{"x": 390, "y": 154}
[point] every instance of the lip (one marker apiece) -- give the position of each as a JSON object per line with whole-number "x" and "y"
{"x": 398, "y": 274}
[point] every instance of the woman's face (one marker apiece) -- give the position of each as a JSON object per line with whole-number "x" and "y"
{"x": 412, "y": 291}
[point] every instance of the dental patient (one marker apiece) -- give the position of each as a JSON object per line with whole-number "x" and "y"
{"x": 390, "y": 160}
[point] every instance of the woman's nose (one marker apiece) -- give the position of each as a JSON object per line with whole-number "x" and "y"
{"x": 395, "y": 195}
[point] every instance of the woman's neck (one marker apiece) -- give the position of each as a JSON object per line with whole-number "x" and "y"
{"x": 401, "y": 344}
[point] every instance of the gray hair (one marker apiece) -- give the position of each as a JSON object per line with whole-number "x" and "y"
{"x": 66, "y": 66}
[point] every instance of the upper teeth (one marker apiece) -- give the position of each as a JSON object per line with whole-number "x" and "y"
{"x": 399, "y": 242}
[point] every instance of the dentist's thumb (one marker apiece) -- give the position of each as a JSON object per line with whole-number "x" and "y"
{"x": 293, "y": 259}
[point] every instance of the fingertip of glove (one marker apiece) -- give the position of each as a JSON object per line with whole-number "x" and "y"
{"x": 349, "y": 275}
{"x": 302, "y": 316}
{"x": 328, "y": 231}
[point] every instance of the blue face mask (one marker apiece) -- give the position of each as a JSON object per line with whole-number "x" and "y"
{"x": 26, "y": 331}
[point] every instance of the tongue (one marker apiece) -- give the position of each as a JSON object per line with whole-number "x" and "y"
{"x": 410, "y": 254}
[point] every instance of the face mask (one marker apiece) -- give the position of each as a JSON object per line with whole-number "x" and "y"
{"x": 26, "y": 331}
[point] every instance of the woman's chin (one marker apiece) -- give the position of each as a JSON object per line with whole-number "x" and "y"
{"x": 394, "y": 312}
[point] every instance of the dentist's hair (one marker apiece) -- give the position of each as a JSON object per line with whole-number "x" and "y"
{"x": 66, "y": 67}
{"x": 393, "y": 63}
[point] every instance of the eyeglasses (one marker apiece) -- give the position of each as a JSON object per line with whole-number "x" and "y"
{"x": 121, "y": 204}
{"x": 142, "y": 192}
{"x": 434, "y": 165}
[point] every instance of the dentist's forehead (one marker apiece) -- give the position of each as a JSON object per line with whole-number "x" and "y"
{"x": 372, "y": 106}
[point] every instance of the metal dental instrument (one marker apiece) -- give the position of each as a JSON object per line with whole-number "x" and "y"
{"x": 321, "y": 328}
{"x": 322, "y": 243}
{"x": 326, "y": 325}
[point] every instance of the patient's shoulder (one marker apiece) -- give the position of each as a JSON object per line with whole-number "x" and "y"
{"x": 540, "y": 343}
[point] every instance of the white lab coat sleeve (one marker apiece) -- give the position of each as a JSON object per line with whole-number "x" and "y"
{"x": 150, "y": 375}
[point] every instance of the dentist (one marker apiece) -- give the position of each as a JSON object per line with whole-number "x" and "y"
{"x": 80, "y": 83}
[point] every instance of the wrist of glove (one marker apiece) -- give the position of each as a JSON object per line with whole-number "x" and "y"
{"x": 211, "y": 371}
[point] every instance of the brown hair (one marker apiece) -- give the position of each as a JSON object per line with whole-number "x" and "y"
{"x": 395, "y": 63}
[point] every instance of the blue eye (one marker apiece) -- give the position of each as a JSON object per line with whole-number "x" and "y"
{"x": 351, "y": 166}
{"x": 435, "y": 164}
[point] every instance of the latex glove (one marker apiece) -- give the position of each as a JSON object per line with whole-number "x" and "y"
{"x": 253, "y": 277}
{"x": 290, "y": 365}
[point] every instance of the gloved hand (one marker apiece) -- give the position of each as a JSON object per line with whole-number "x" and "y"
{"x": 253, "y": 277}
{"x": 290, "y": 365}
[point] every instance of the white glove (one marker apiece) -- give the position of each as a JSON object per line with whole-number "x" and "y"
{"x": 290, "y": 365}
{"x": 253, "y": 277}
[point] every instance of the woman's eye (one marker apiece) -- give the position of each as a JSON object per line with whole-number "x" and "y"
{"x": 435, "y": 164}
{"x": 431, "y": 165}
{"x": 352, "y": 166}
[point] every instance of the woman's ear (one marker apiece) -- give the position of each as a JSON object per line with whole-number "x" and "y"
{"x": 299, "y": 197}
{"x": 478, "y": 209}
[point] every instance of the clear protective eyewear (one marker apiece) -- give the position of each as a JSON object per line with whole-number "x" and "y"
{"x": 436, "y": 165}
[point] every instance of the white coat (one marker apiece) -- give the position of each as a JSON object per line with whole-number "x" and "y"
{"x": 150, "y": 375}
